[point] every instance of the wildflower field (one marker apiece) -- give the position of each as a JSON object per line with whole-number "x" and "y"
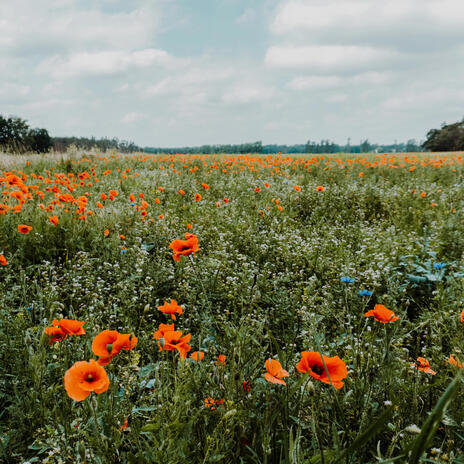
{"x": 232, "y": 309}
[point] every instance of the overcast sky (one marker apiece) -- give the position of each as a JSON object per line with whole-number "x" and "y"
{"x": 189, "y": 72}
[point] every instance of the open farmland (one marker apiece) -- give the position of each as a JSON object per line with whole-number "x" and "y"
{"x": 359, "y": 259}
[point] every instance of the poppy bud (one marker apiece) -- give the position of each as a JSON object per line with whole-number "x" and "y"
{"x": 109, "y": 348}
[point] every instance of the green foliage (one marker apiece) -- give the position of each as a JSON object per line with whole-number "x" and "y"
{"x": 449, "y": 138}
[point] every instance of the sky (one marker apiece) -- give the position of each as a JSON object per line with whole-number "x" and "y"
{"x": 172, "y": 73}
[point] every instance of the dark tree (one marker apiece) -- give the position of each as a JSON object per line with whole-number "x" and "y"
{"x": 449, "y": 138}
{"x": 39, "y": 140}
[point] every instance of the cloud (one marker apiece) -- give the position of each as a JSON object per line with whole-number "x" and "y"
{"x": 322, "y": 57}
{"x": 132, "y": 117}
{"x": 248, "y": 93}
{"x": 103, "y": 63}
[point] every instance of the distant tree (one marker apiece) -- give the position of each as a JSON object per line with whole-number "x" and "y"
{"x": 365, "y": 146}
{"x": 39, "y": 140}
{"x": 13, "y": 133}
{"x": 412, "y": 146}
{"x": 449, "y": 138}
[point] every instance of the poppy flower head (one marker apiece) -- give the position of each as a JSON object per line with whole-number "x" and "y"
{"x": 70, "y": 326}
{"x": 171, "y": 308}
{"x": 423, "y": 365}
{"x": 54, "y": 220}
{"x": 162, "y": 329}
{"x": 3, "y": 260}
{"x": 57, "y": 334}
{"x": 24, "y": 229}
{"x": 313, "y": 363}
{"x": 184, "y": 247}
{"x": 211, "y": 403}
{"x": 174, "y": 340}
{"x": 85, "y": 377}
{"x": 382, "y": 314}
{"x": 454, "y": 362}
{"x": 205, "y": 186}
{"x": 109, "y": 343}
{"x": 221, "y": 360}
{"x": 320, "y": 188}
{"x": 275, "y": 373}
{"x": 197, "y": 356}
{"x": 462, "y": 316}
{"x": 198, "y": 197}
{"x": 297, "y": 188}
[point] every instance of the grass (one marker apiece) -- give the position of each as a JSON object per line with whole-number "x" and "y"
{"x": 265, "y": 283}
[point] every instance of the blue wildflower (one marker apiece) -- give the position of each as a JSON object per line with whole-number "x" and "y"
{"x": 347, "y": 280}
{"x": 439, "y": 266}
{"x": 123, "y": 250}
{"x": 365, "y": 293}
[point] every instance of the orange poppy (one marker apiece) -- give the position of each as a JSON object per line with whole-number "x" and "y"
{"x": 198, "y": 197}
{"x": 266, "y": 184}
{"x": 454, "y": 362}
{"x": 171, "y": 308}
{"x": 70, "y": 326}
{"x": 3, "y": 260}
{"x": 56, "y": 334}
{"x": 221, "y": 360}
{"x": 23, "y": 229}
{"x": 106, "y": 232}
{"x": 181, "y": 192}
{"x": 257, "y": 190}
{"x": 205, "y": 186}
{"x": 109, "y": 343}
{"x": 54, "y": 220}
{"x": 275, "y": 373}
{"x": 313, "y": 363}
{"x": 423, "y": 365}
{"x": 184, "y": 247}
{"x": 174, "y": 340}
{"x": 297, "y": 188}
{"x": 462, "y": 316}
{"x": 162, "y": 329}
{"x": 382, "y": 314}
{"x": 225, "y": 200}
{"x": 197, "y": 356}
{"x": 320, "y": 188}
{"x": 85, "y": 377}
{"x": 211, "y": 403}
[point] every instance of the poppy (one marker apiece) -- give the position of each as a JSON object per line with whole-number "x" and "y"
{"x": 184, "y": 247}
{"x": 221, "y": 360}
{"x": 266, "y": 184}
{"x": 211, "y": 403}
{"x": 454, "y": 362}
{"x": 23, "y": 229}
{"x": 246, "y": 386}
{"x": 205, "y": 186}
{"x": 198, "y": 197}
{"x": 109, "y": 343}
{"x": 3, "y": 260}
{"x": 275, "y": 373}
{"x": 70, "y": 326}
{"x": 189, "y": 226}
{"x": 171, "y": 308}
{"x": 225, "y": 200}
{"x": 106, "y": 232}
{"x": 197, "y": 356}
{"x": 54, "y": 220}
{"x": 174, "y": 340}
{"x": 423, "y": 365}
{"x": 382, "y": 314}
{"x": 57, "y": 334}
{"x": 320, "y": 188}
{"x": 462, "y": 316}
{"x": 313, "y": 363}
{"x": 297, "y": 188}
{"x": 162, "y": 329}
{"x": 181, "y": 192}
{"x": 257, "y": 190}
{"x": 85, "y": 377}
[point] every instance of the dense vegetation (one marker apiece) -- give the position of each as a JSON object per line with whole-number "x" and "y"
{"x": 288, "y": 255}
{"x": 449, "y": 138}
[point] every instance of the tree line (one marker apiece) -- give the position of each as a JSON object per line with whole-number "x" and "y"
{"x": 16, "y": 136}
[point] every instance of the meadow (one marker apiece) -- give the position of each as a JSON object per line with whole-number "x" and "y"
{"x": 232, "y": 309}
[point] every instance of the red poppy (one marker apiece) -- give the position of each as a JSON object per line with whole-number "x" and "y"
{"x": 221, "y": 360}
{"x": 454, "y": 362}
{"x": 162, "y": 329}
{"x": 297, "y": 188}
{"x": 197, "y": 355}
{"x": 320, "y": 188}
{"x": 56, "y": 334}
{"x": 462, "y": 316}
{"x": 184, "y": 247}
{"x": 3, "y": 260}
{"x": 181, "y": 192}
{"x": 109, "y": 343}
{"x": 423, "y": 365}
{"x": 246, "y": 386}
{"x": 382, "y": 314}
{"x": 54, "y": 220}
{"x": 205, "y": 186}
{"x": 313, "y": 363}
{"x": 275, "y": 373}
{"x": 171, "y": 308}
{"x": 211, "y": 403}
{"x": 24, "y": 229}
{"x": 70, "y": 326}
{"x": 198, "y": 197}
{"x": 175, "y": 341}
{"x": 85, "y": 377}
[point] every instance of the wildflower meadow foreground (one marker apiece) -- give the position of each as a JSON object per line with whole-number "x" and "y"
{"x": 232, "y": 309}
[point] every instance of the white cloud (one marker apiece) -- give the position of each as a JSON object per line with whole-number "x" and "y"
{"x": 132, "y": 117}
{"x": 103, "y": 63}
{"x": 246, "y": 93}
{"x": 323, "y": 57}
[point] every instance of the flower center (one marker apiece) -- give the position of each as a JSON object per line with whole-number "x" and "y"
{"x": 89, "y": 378}
{"x": 184, "y": 248}
{"x": 319, "y": 370}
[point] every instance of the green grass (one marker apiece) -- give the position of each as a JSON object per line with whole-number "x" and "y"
{"x": 264, "y": 283}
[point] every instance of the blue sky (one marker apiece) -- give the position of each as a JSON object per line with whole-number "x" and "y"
{"x": 190, "y": 72}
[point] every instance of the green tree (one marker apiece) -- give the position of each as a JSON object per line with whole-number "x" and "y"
{"x": 449, "y": 138}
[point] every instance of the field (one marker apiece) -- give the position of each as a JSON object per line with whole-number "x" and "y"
{"x": 322, "y": 296}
